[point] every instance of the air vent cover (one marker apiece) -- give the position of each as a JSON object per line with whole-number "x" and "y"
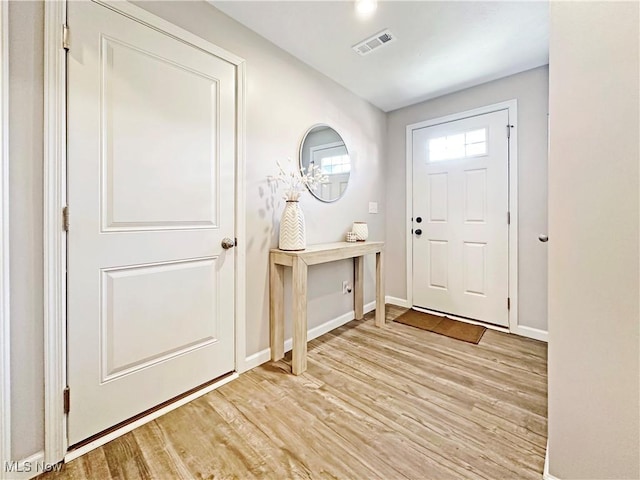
{"x": 370, "y": 44}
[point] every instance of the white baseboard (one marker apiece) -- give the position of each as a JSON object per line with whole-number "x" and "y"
{"x": 29, "y": 467}
{"x": 257, "y": 359}
{"x": 531, "y": 332}
{"x": 400, "y": 302}
{"x": 545, "y": 473}
{"x": 263, "y": 356}
{"x": 73, "y": 454}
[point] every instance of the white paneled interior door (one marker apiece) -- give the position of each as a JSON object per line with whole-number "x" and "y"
{"x": 460, "y": 223}
{"x": 151, "y": 163}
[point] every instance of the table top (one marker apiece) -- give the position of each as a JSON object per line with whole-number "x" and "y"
{"x": 327, "y": 252}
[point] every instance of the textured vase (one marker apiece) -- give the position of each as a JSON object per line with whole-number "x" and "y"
{"x": 361, "y": 230}
{"x": 292, "y": 228}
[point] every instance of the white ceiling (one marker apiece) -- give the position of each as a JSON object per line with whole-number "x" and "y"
{"x": 441, "y": 47}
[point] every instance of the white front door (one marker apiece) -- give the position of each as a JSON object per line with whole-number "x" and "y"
{"x": 460, "y": 224}
{"x": 151, "y": 161}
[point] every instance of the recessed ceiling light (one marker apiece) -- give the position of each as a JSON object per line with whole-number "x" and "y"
{"x": 365, "y": 8}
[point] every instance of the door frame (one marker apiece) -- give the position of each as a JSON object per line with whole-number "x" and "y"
{"x": 55, "y": 194}
{"x": 512, "y": 108}
{"x": 5, "y": 342}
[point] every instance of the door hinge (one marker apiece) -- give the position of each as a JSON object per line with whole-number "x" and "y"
{"x": 65, "y": 36}
{"x": 66, "y": 399}
{"x": 508, "y": 218}
{"x": 508, "y": 303}
{"x": 65, "y": 218}
{"x": 235, "y": 242}
{"x": 509, "y": 127}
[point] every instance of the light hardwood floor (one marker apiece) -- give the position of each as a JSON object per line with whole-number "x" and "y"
{"x": 388, "y": 403}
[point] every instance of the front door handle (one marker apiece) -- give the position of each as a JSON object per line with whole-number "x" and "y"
{"x": 227, "y": 243}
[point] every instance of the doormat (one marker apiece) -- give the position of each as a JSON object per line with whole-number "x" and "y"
{"x": 443, "y": 326}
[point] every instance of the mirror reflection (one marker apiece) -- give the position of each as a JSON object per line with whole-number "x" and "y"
{"x": 322, "y": 146}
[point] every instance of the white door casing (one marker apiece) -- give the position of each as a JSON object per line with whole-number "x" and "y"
{"x": 151, "y": 164}
{"x": 460, "y": 206}
{"x": 5, "y": 358}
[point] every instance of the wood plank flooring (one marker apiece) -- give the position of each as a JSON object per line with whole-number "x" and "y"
{"x": 392, "y": 403}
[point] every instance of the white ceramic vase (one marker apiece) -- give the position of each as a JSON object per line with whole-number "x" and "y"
{"x": 292, "y": 229}
{"x": 361, "y": 230}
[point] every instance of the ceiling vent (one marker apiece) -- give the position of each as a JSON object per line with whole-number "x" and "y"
{"x": 370, "y": 44}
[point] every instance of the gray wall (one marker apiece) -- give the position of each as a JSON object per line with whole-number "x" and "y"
{"x": 531, "y": 90}
{"x": 26, "y": 32}
{"x": 594, "y": 328}
{"x": 284, "y": 98}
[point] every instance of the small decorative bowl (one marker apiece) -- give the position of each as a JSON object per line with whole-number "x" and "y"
{"x": 352, "y": 237}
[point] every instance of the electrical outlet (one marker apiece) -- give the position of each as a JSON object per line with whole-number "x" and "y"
{"x": 346, "y": 287}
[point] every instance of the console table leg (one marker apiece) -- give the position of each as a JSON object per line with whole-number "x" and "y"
{"x": 299, "y": 280}
{"x": 276, "y": 310}
{"x": 380, "y": 305}
{"x": 358, "y": 287}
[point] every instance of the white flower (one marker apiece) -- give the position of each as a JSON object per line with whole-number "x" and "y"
{"x": 297, "y": 181}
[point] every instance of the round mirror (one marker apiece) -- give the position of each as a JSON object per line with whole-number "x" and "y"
{"x": 323, "y": 147}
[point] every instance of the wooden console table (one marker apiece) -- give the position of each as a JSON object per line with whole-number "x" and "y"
{"x": 299, "y": 261}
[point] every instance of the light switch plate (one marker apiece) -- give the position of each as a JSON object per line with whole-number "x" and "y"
{"x": 373, "y": 207}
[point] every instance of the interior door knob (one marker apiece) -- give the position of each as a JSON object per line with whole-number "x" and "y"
{"x": 543, "y": 238}
{"x": 227, "y": 243}
{"x": 418, "y": 232}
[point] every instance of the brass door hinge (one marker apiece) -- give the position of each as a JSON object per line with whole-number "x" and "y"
{"x": 65, "y": 218}
{"x": 66, "y": 400}
{"x": 65, "y": 36}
